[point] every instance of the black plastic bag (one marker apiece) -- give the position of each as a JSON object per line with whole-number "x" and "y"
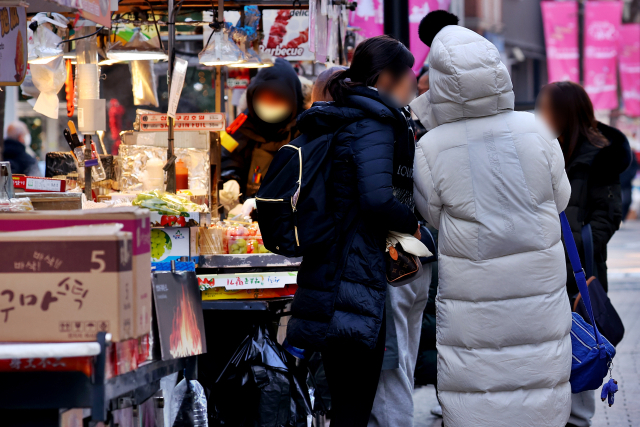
{"x": 59, "y": 163}
{"x": 258, "y": 387}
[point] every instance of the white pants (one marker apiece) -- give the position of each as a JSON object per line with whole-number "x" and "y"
{"x": 583, "y": 408}
{"x": 393, "y": 406}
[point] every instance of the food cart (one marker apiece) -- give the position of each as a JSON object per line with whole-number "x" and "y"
{"x": 163, "y": 191}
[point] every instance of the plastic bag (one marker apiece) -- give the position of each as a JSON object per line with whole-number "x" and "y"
{"x": 48, "y": 79}
{"x": 22, "y": 204}
{"x": 188, "y": 405}
{"x": 144, "y": 83}
{"x": 258, "y": 387}
{"x": 59, "y": 163}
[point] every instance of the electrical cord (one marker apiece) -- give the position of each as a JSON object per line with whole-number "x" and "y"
{"x": 80, "y": 38}
{"x": 155, "y": 22}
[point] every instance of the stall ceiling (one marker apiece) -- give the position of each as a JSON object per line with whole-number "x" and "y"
{"x": 159, "y": 5}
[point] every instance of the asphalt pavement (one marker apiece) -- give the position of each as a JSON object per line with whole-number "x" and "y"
{"x": 624, "y": 291}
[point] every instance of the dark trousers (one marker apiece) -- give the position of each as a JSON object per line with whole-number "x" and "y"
{"x": 353, "y": 374}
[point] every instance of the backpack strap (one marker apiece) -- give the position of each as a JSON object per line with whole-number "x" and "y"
{"x": 581, "y": 280}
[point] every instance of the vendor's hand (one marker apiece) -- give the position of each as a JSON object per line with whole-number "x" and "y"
{"x": 417, "y": 234}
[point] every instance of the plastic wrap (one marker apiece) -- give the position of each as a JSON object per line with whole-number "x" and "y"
{"x": 22, "y": 204}
{"x": 135, "y": 157}
{"x": 188, "y": 405}
{"x": 258, "y": 387}
{"x": 144, "y": 83}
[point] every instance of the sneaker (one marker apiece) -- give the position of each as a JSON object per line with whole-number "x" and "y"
{"x": 437, "y": 411}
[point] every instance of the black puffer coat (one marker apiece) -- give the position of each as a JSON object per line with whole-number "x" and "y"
{"x": 346, "y": 307}
{"x": 594, "y": 174}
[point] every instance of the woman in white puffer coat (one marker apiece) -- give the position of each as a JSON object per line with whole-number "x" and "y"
{"x": 492, "y": 181}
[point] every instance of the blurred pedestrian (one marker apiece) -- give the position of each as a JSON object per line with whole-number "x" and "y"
{"x": 626, "y": 184}
{"x": 595, "y": 155}
{"x": 492, "y": 181}
{"x": 307, "y": 88}
{"x": 423, "y": 86}
{"x": 319, "y": 91}
{"x": 17, "y": 150}
{"x": 393, "y": 405}
{"x": 423, "y": 80}
{"x": 340, "y": 303}
{"x": 274, "y": 100}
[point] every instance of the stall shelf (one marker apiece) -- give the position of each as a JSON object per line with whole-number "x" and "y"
{"x": 248, "y": 261}
{"x": 273, "y": 305}
{"x": 31, "y": 392}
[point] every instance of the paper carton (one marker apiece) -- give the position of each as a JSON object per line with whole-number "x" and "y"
{"x": 66, "y": 284}
{"x": 134, "y": 220}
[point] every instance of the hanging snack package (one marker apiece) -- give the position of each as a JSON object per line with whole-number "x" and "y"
{"x": 144, "y": 83}
{"x": 321, "y": 32}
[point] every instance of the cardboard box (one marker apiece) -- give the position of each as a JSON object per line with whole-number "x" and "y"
{"x": 172, "y": 243}
{"x": 133, "y": 219}
{"x": 66, "y": 284}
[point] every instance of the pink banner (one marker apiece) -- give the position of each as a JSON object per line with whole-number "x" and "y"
{"x": 418, "y": 9}
{"x": 602, "y": 20}
{"x": 630, "y": 68}
{"x": 368, "y": 16}
{"x": 560, "y": 21}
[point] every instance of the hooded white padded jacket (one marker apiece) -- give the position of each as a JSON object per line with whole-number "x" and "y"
{"x": 492, "y": 181}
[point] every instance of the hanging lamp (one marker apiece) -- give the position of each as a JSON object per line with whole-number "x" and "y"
{"x": 138, "y": 48}
{"x": 220, "y": 50}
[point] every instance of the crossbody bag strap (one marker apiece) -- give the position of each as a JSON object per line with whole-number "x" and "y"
{"x": 587, "y": 243}
{"x": 581, "y": 280}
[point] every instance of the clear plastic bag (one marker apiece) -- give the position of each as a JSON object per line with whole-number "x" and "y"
{"x": 144, "y": 83}
{"x": 188, "y": 405}
{"x": 22, "y": 204}
{"x": 48, "y": 79}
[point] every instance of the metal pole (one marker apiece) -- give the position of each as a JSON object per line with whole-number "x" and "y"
{"x": 219, "y": 93}
{"x": 581, "y": 41}
{"x": 87, "y": 169}
{"x": 397, "y": 25}
{"x": 170, "y": 167}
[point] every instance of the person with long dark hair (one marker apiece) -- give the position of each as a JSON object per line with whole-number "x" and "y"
{"x": 340, "y": 304}
{"x": 595, "y": 155}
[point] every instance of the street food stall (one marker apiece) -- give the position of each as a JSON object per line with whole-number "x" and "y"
{"x": 133, "y": 274}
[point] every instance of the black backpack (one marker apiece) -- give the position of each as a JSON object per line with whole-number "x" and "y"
{"x": 293, "y": 210}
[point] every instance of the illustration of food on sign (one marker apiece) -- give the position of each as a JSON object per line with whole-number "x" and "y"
{"x": 159, "y": 242}
{"x": 20, "y": 62}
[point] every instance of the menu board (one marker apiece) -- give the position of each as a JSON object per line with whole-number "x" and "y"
{"x": 13, "y": 45}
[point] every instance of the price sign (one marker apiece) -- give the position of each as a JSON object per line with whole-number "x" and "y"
{"x": 230, "y": 282}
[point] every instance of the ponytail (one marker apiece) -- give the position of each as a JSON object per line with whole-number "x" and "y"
{"x": 372, "y": 57}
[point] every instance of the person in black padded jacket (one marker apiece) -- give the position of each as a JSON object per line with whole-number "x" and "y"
{"x": 595, "y": 155}
{"x": 340, "y": 304}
